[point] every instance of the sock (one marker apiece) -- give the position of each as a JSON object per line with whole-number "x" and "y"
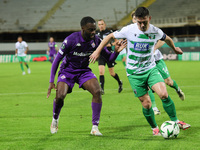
{"x": 101, "y": 78}
{"x": 117, "y": 78}
{"x": 169, "y": 107}
{"x": 149, "y": 115}
{"x": 27, "y": 66}
{"x": 21, "y": 65}
{"x": 57, "y": 108}
{"x": 175, "y": 85}
{"x": 152, "y": 97}
{"x": 96, "y": 110}
{"x": 124, "y": 63}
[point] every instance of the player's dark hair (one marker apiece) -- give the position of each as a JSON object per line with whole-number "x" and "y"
{"x": 19, "y": 36}
{"x": 102, "y": 20}
{"x": 86, "y": 20}
{"x": 141, "y": 12}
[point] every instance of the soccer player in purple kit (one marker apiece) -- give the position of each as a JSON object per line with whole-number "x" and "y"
{"x": 52, "y": 49}
{"x": 76, "y": 49}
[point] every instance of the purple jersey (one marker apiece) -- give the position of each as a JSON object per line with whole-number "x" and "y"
{"x": 76, "y": 52}
{"x": 52, "y": 48}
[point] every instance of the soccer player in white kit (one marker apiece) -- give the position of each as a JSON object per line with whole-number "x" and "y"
{"x": 20, "y": 52}
{"x": 141, "y": 67}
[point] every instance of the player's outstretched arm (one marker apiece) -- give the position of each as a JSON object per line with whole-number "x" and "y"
{"x": 170, "y": 42}
{"x": 96, "y": 53}
{"x": 158, "y": 45}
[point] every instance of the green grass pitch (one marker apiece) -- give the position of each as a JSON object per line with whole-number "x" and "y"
{"x": 26, "y": 114}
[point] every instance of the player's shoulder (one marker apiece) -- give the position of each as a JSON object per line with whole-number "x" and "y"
{"x": 154, "y": 28}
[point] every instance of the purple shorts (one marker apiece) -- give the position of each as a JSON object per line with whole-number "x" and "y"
{"x": 71, "y": 78}
{"x": 52, "y": 54}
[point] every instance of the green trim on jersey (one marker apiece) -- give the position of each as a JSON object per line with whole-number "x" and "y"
{"x": 136, "y": 58}
{"x": 147, "y": 36}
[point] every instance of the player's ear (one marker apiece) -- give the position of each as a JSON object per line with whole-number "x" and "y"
{"x": 149, "y": 18}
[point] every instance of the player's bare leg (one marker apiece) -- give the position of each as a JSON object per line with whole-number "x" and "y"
{"x": 149, "y": 113}
{"x": 173, "y": 84}
{"x": 101, "y": 78}
{"x": 93, "y": 87}
{"x": 168, "y": 104}
{"x": 58, "y": 103}
{"x": 115, "y": 75}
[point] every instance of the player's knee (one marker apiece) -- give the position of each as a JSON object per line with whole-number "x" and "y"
{"x": 60, "y": 96}
{"x": 146, "y": 104}
{"x": 112, "y": 74}
{"x": 163, "y": 95}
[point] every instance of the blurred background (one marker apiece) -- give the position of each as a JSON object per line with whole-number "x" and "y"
{"x": 38, "y": 20}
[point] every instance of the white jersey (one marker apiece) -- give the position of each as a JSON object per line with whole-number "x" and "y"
{"x": 140, "y": 56}
{"x": 21, "y": 48}
{"x": 158, "y": 55}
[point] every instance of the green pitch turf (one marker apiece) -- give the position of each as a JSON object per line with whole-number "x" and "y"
{"x": 26, "y": 114}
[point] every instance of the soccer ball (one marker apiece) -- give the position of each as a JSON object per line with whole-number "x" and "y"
{"x": 169, "y": 129}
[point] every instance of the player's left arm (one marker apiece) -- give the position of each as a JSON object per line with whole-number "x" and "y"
{"x": 158, "y": 45}
{"x": 170, "y": 42}
{"x": 26, "y": 51}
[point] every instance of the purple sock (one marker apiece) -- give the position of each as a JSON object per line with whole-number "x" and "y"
{"x": 56, "y": 109}
{"x": 96, "y": 110}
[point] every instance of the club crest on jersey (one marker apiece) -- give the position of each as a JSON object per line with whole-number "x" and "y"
{"x": 151, "y": 36}
{"x": 93, "y": 45}
{"x": 141, "y": 46}
{"x": 63, "y": 77}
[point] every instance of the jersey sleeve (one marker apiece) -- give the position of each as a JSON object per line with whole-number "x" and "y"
{"x": 120, "y": 34}
{"x": 161, "y": 35}
{"x": 25, "y": 44}
{"x": 65, "y": 47}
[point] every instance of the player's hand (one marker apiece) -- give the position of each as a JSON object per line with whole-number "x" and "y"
{"x": 178, "y": 50}
{"x": 51, "y": 86}
{"x": 120, "y": 45}
{"x": 94, "y": 56}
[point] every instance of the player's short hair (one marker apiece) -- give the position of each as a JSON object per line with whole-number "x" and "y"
{"x": 102, "y": 20}
{"x": 86, "y": 20}
{"x": 19, "y": 36}
{"x": 141, "y": 12}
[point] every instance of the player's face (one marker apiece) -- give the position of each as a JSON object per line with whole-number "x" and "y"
{"x": 51, "y": 39}
{"x": 88, "y": 31}
{"x": 101, "y": 25}
{"x": 19, "y": 39}
{"x": 143, "y": 23}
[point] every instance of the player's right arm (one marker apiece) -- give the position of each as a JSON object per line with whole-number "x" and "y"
{"x": 170, "y": 42}
{"x": 158, "y": 45}
{"x": 61, "y": 53}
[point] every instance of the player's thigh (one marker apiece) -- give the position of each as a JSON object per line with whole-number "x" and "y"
{"x": 160, "y": 89}
{"x": 138, "y": 84}
{"x": 101, "y": 69}
{"x": 92, "y": 85}
{"x": 162, "y": 68}
{"x": 62, "y": 89}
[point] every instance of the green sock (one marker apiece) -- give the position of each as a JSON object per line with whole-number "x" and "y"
{"x": 149, "y": 115}
{"x": 27, "y": 66}
{"x": 124, "y": 63}
{"x": 169, "y": 107}
{"x": 21, "y": 65}
{"x": 175, "y": 85}
{"x": 152, "y": 97}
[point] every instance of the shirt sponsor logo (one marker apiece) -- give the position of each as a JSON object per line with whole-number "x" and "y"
{"x": 78, "y": 44}
{"x": 61, "y": 52}
{"x": 93, "y": 45}
{"x": 63, "y": 77}
{"x": 141, "y": 46}
{"x": 82, "y": 54}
